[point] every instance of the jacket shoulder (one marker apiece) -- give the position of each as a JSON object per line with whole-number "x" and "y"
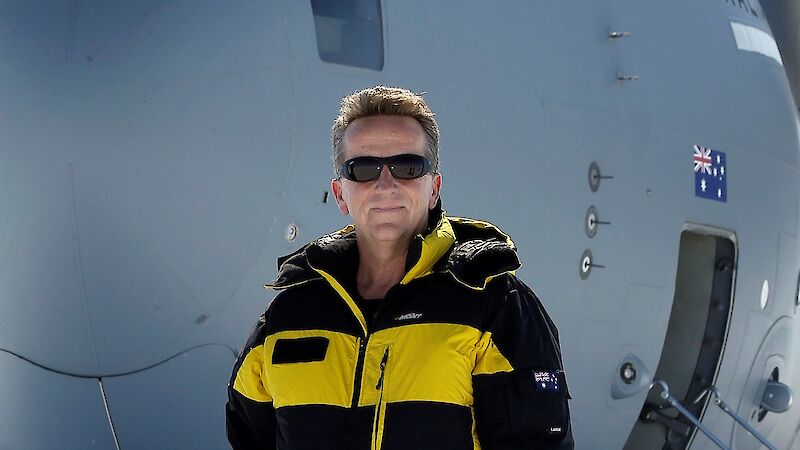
{"x": 295, "y": 268}
{"x": 481, "y": 253}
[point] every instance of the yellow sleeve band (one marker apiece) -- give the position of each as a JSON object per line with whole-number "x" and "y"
{"x": 490, "y": 360}
{"x": 249, "y": 381}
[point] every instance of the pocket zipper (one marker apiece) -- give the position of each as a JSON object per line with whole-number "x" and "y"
{"x": 380, "y": 409}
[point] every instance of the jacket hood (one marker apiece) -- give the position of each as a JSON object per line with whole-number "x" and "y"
{"x": 472, "y": 251}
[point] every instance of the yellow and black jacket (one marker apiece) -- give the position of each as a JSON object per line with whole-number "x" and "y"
{"x": 459, "y": 355}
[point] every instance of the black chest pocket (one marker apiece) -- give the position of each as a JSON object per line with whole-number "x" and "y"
{"x": 300, "y": 350}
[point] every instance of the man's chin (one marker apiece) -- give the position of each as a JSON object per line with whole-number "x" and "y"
{"x": 390, "y": 232}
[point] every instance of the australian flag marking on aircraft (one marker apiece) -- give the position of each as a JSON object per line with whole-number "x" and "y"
{"x": 710, "y": 174}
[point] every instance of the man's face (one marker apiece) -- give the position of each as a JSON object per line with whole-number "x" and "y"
{"x": 387, "y": 209}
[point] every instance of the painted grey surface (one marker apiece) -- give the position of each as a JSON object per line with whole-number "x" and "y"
{"x": 784, "y": 17}
{"x": 152, "y": 155}
{"x": 138, "y": 192}
{"x": 42, "y": 409}
{"x": 162, "y": 408}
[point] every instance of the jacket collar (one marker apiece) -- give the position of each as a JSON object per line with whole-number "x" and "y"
{"x": 481, "y": 253}
{"x": 472, "y": 251}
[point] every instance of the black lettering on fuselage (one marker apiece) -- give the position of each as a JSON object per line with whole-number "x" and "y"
{"x": 750, "y": 7}
{"x": 745, "y": 5}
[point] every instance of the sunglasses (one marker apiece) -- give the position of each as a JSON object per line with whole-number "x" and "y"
{"x": 367, "y": 168}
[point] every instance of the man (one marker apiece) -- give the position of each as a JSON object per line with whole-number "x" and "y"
{"x": 406, "y": 329}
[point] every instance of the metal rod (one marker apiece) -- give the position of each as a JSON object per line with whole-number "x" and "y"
{"x": 686, "y": 413}
{"x": 724, "y": 406}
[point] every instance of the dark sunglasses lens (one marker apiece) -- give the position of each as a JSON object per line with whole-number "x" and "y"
{"x": 408, "y": 167}
{"x": 364, "y": 169}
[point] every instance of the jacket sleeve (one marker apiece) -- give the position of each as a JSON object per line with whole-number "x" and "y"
{"x": 519, "y": 385}
{"x": 250, "y": 416}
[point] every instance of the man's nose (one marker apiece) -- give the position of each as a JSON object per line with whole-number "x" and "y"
{"x": 386, "y": 179}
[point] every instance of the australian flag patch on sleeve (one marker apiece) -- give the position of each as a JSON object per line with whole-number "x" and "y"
{"x": 547, "y": 380}
{"x": 710, "y": 174}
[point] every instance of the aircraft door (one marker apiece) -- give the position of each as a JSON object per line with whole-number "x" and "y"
{"x": 695, "y": 339}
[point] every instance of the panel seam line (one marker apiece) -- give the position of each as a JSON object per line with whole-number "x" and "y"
{"x": 108, "y": 413}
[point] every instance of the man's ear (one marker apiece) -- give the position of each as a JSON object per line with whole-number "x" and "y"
{"x": 336, "y": 187}
{"x": 437, "y": 185}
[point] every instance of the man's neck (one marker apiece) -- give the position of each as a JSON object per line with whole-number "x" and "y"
{"x": 380, "y": 267}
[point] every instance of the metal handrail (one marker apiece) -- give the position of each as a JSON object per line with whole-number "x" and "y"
{"x": 712, "y": 390}
{"x": 724, "y": 406}
{"x": 665, "y": 395}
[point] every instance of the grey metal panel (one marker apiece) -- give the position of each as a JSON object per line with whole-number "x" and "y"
{"x": 166, "y": 147}
{"x": 784, "y": 20}
{"x": 40, "y": 276}
{"x": 45, "y": 410}
{"x": 171, "y": 222}
{"x": 176, "y": 405}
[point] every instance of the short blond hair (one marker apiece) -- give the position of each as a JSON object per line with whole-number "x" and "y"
{"x": 383, "y": 100}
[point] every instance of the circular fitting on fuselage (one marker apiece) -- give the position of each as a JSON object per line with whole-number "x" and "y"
{"x": 594, "y": 176}
{"x": 586, "y": 264}
{"x": 628, "y": 373}
{"x": 590, "y": 222}
{"x": 632, "y": 377}
{"x": 292, "y": 231}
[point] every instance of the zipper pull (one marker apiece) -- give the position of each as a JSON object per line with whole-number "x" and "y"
{"x": 383, "y": 368}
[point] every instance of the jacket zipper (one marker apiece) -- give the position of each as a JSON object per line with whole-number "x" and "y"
{"x": 379, "y": 386}
{"x": 362, "y": 350}
{"x": 377, "y": 424}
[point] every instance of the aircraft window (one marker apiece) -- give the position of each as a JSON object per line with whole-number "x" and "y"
{"x": 349, "y": 32}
